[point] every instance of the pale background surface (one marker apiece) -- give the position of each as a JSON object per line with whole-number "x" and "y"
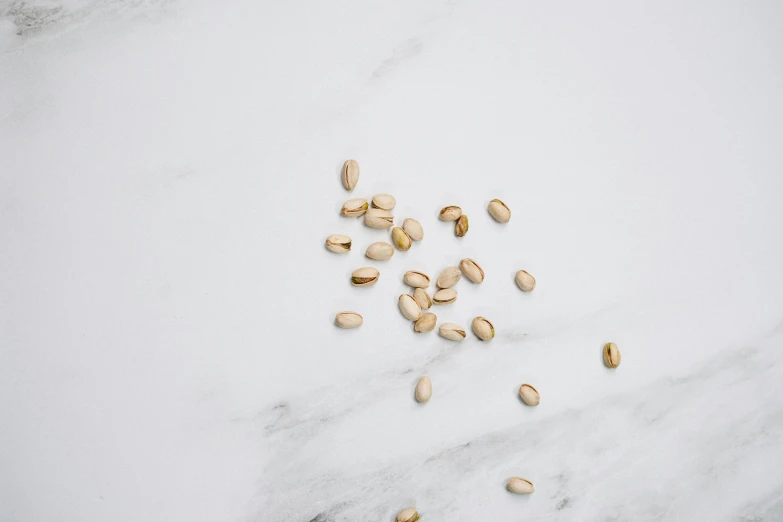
{"x": 169, "y": 171}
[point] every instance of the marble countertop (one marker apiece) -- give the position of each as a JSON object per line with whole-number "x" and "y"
{"x": 169, "y": 171}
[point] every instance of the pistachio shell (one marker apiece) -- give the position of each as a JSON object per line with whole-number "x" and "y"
{"x": 354, "y": 207}
{"x": 378, "y": 218}
{"x": 416, "y": 279}
{"x": 384, "y": 201}
{"x": 401, "y": 239}
{"x": 483, "y": 329}
{"x": 348, "y": 320}
{"x": 408, "y": 515}
{"x": 423, "y": 298}
{"x": 452, "y": 332}
{"x": 350, "y": 174}
{"x": 413, "y": 228}
{"x": 520, "y": 486}
{"x": 461, "y": 226}
{"x": 472, "y": 270}
{"x": 426, "y": 323}
{"x": 423, "y": 389}
{"x": 364, "y": 276}
{"x": 529, "y": 395}
{"x": 409, "y": 307}
{"x": 448, "y": 277}
{"x": 611, "y": 355}
{"x": 445, "y": 296}
{"x": 380, "y": 251}
{"x": 338, "y": 243}
{"x": 451, "y": 213}
{"x": 499, "y": 211}
{"x": 525, "y": 281}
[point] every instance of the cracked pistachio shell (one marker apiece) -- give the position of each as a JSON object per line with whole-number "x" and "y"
{"x": 423, "y": 298}
{"x": 338, "y": 243}
{"x": 450, "y": 213}
{"x": 529, "y": 395}
{"x": 472, "y": 270}
{"x": 611, "y": 355}
{"x": 383, "y": 201}
{"x": 499, "y": 211}
{"x": 448, "y": 277}
{"x": 350, "y": 174}
{"x": 444, "y": 296}
{"x": 401, "y": 239}
{"x": 364, "y": 276}
{"x": 409, "y": 307}
{"x": 525, "y": 281}
{"x": 423, "y": 389}
{"x": 520, "y": 486}
{"x": 354, "y": 207}
{"x": 408, "y": 515}
{"x": 380, "y": 251}
{"x": 378, "y": 218}
{"x": 483, "y": 329}
{"x": 461, "y": 226}
{"x": 413, "y": 228}
{"x": 452, "y": 332}
{"x": 426, "y": 323}
{"x": 416, "y": 279}
{"x": 348, "y": 320}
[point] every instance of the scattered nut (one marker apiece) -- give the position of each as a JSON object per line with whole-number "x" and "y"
{"x": 445, "y": 296}
{"x": 380, "y": 251}
{"x": 520, "y": 486}
{"x": 452, "y": 332}
{"x": 401, "y": 239}
{"x": 611, "y": 355}
{"x": 416, "y": 279}
{"x": 472, "y": 270}
{"x": 483, "y": 329}
{"x": 354, "y": 207}
{"x": 409, "y": 307}
{"x": 426, "y": 323}
{"x": 413, "y": 228}
{"x": 384, "y": 201}
{"x": 448, "y": 277}
{"x": 408, "y": 515}
{"x": 364, "y": 276}
{"x": 378, "y": 218}
{"x": 348, "y": 320}
{"x": 450, "y": 213}
{"x": 498, "y": 210}
{"x": 525, "y": 281}
{"x": 424, "y": 389}
{"x": 461, "y": 226}
{"x": 423, "y": 298}
{"x": 338, "y": 243}
{"x": 350, "y": 174}
{"x": 529, "y": 395}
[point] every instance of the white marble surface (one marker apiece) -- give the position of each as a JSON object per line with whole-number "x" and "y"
{"x": 169, "y": 171}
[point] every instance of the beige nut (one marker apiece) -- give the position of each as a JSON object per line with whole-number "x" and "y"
{"x": 338, "y": 243}
{"x": 520, "y": 486}
{"x": 354, "y": 207}
{"x": 529, "y": 395}
{"x": 348, "y": 320}
{"x": 448, "y": 277}
{"x": 499, "y": 211}
{"x": 380, "y": 251}
{"x": 423, "y": 298}
{"x": 611, "y": 355}
{"x": 365, "y": 276}
{"x": 384, "y": 201}
{"x": 483, "y": 329}
{"x": 401, "y": 239}
{"x": 525, "y": 281}
{"x": 413, "y": 228}
{"x": 378, "y": 218}
{"x": 409, "y": 307}
{"x": 423, "y": 389}
{"x": 444, "y": 296}
{"x": 408, "y": 515}
{"x": 350, "y": 174}
{"x": 426, "y": 323}
{"x": 416, "y": 279}
{"x": 472, "y": 270}
{"x": 452, "y": 331}
{"x": 461, "y": 226}
{"x": 451, "y": 213}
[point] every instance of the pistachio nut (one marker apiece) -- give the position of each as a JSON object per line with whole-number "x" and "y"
{"x": 525, "y": 281}
{"x": 354, "y": 207}
{"x": 461, "y": 226}
{"x": 378, "y": 218}
{"x": 452, "y": 332}
{"x": 408, "y": 515}
{"x": 380, "y": 251}
{"x": 472, "y": 270}
{"x": 383, "y": 201}
{"x": 520, "y": 486}
{"x": 413, "y": 228}
{"x": 444, "y": 296}
{"x": 350, "y": 174}
{"x": 451, "y": 213}
{"x": 529, "y": 395}
{"x": 448, "y": 277}
{"x": 401, "y": 239}
{"x": 423, "y": 389}
{"x": 348, "y": 320}
{"x": 364, "y": 276}
{"x": 416, "y": 279}
{"x": 426, "y": 323}
{"x": 409, "y": 307}
{"x": 611, "y": 355}
{"x": 338, "y": 243}
{"x": 423, "y": 298}
{"x": 483, "y": 329}
{"x": 499, "y": 211}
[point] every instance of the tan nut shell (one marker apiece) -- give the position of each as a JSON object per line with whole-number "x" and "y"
{"x": 350, "y": 174}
